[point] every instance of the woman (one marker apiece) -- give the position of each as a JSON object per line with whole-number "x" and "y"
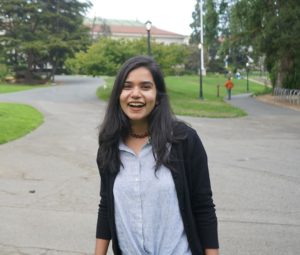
{"x": 155, "y": 189}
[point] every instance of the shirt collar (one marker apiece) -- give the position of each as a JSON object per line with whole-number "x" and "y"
{"x": 124, "y": 147}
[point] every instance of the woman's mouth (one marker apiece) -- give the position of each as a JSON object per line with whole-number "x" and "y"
{"x": 136, "y": 105}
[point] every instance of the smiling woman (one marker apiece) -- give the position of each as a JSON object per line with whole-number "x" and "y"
{"x": 155, "y": 195}
{"x": 138, "y": 97}
{"x": 17, "y": 120}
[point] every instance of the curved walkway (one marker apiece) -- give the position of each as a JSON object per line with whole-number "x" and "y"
{"x": 49, "y": 180}
{"x": 50, "y": 184}
{"x": 258, "y": 108}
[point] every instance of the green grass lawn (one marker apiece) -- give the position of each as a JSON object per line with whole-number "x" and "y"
{"x": 184, "y": 95}
{"x": 17, "y": 120}
{"x": 7, "y": 88}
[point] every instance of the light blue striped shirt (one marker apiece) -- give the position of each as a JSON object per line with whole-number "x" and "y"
{"x": 147, "y": 215}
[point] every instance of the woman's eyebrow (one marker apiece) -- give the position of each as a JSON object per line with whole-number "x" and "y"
{"x": 146, "y": 82}
{"x": 142, "y": 82}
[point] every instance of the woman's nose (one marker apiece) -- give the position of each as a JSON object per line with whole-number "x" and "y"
{"x": 136, "y": 92}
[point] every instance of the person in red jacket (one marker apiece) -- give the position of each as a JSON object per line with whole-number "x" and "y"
{"x": 229, "y": 85}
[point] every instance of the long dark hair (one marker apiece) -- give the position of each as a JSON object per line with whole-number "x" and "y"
{"x": 116, "y": 124}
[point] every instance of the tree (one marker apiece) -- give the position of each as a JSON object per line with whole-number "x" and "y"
{"x": 272, "y": 29}
{"x": 39, "y": 33}
{"x": 171, "y": 58}
{"x": 192, "y": 61}
{"x": 223, "y": 7}
{"x": 107, "y": 55}
{"x": 195, "y": 25}
{"x": 211, "y": 21}
{"x": 236, "y": 43}
{"x": 210, "y": 32}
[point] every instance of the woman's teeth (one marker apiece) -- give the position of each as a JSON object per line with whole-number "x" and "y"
{"x": 136, "y": 105}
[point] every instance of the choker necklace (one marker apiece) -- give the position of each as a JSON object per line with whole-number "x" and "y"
{"x": 139, "y": 136}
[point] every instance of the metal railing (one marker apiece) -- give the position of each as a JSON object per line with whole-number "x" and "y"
{"x": 291, "y": 96}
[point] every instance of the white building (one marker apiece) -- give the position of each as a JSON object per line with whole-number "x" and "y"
{"x": 130, "y": 29}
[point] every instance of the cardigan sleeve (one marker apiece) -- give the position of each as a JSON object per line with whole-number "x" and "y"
{"x": 103, "y": 229}
{"x": 201, "y": 194}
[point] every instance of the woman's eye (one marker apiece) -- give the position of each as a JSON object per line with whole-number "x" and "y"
{"x": 146, "y": 86}
{"x": 126, "y": 86}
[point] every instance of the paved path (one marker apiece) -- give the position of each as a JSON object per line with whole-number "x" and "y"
{"x": 57, "y": 162}
{"x": 50, "y": 184}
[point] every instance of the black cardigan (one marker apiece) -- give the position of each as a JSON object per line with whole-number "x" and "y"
{"x": 192, "y": 184}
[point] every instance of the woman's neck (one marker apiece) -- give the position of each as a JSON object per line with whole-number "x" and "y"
{"x": 139, "y": 128}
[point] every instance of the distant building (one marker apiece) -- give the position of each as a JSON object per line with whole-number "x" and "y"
{"x": 130, "y": 29}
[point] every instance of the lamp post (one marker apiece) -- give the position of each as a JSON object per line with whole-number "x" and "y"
{"x": 148, "y": 25}
{"x": 200, "y": 70}
{"x": 247, "y": 71}
{"x": 201, "y": 36}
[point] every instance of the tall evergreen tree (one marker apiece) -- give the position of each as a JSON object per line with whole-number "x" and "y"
{"x": 211, "y": 22}
{"x": 210, "y": 30}
{"x": 41, "y": 32}
{"x": 236, "y": 42}
{"x": 195, "y": 25}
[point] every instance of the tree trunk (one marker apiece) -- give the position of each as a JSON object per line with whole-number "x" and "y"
{"x": 29, "y": 74}
{"x": 285, "y": 67}
{"x": 53, "y": 71}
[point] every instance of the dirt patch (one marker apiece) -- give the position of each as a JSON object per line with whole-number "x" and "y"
{"x": 272, "y": 100}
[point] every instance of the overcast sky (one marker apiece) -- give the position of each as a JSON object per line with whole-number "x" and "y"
{"x": 172, "y": 15}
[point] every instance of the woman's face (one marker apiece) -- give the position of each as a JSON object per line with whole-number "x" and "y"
{"x": 138, "y": 96}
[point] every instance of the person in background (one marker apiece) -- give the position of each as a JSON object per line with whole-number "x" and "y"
{"x": 156, "y": 195}
{"x": 229, "y": 85}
